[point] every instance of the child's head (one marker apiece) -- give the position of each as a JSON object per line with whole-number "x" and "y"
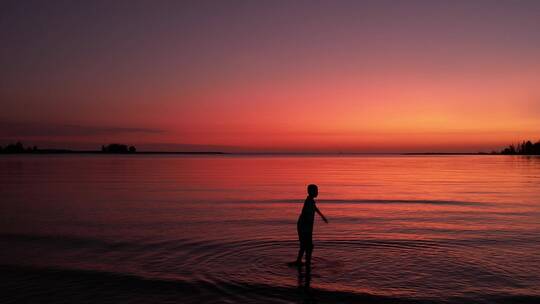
{"x": 312, "y": 190}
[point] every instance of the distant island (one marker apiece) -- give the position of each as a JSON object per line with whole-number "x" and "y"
{"x": 19, "y": 148}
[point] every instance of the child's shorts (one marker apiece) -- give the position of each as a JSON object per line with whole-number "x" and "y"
{"x": 305, "y": 236}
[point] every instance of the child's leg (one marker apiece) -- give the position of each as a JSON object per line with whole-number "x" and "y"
{"x": 300, "y": 253}
{"x": 309, "y": 248}
{"x": 309, "y": 251}
{"x": 301, "y": 241}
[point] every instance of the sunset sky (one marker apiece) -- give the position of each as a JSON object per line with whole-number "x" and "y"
{"x": 277, "y": 76}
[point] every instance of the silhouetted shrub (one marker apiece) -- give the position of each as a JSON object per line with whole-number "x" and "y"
{"x": 18, "y": 147}
{"x": 525, "y": 148}
{"x": 118, "y": 148}
{"x": 14, "y": 148}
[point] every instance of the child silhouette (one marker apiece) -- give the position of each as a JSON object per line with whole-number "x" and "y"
{"x": 305, "y": 225}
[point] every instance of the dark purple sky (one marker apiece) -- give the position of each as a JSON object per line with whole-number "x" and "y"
{"x": 271, "y": 75}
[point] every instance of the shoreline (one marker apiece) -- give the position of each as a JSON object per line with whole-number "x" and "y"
{"x": 100, "y": 152}
{"x": 64, "y": 152}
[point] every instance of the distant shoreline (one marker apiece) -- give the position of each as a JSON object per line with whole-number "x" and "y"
{"x": 525, "y": 148}
{"x": 450, "y": 153}
{"x": 63, "y": 151}
{"x": 54, "y": 151}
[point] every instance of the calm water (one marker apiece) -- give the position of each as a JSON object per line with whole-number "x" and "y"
{"x": 221, "y": 229}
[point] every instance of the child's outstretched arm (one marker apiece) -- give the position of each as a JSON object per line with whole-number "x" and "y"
{"x": 322, "y": 215}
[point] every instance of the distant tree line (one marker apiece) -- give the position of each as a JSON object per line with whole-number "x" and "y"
{"x": 524, "y": 148}
{"x": 18, "y": 148}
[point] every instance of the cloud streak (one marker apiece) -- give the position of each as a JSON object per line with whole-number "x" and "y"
{"x": 16, "y": 129}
